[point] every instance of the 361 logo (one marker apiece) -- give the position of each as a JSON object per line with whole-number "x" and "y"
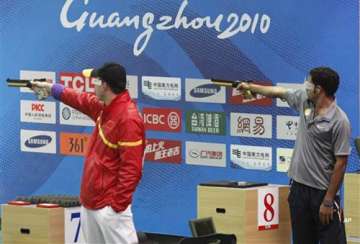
{"x": 73, "y": 143}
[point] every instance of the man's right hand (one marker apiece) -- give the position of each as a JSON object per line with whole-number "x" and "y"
{"x": 41, "y": 89}
{"x": 267, "y": 91}
{"x": 243, "y": 86}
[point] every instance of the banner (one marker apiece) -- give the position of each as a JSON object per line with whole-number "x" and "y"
{"x": 196, "y": 131}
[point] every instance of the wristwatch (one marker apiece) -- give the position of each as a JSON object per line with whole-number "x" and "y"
{"x": 328, "y": 203}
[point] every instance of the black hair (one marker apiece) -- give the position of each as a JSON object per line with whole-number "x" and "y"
{"x": 327, "y": 78}
{"x": 113, "y": 74}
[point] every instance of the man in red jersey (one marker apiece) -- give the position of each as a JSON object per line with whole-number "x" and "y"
{"x": 114, "y": 157}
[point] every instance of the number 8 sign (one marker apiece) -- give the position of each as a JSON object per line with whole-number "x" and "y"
{"x": 268, "y": 208}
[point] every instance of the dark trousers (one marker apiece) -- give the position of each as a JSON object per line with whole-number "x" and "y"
{"x": 304, "y": 202}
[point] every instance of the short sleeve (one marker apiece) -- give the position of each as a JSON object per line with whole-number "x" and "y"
{"x": 342, "y": 134}
{"x": 295, "y": 98}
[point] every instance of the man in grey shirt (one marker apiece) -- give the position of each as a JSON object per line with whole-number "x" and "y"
{"x": 320, "y": 156}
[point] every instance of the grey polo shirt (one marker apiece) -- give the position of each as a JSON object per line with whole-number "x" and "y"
{"x": 318, "y": 141}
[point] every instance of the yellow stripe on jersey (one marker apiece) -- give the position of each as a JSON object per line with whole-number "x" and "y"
{"x": 120, "y": 143}
{"x": 130, "y": 143}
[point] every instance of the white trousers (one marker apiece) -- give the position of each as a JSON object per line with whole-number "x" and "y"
{"x": 105, "y": 226}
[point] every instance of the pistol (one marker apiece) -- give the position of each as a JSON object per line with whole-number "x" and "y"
{"x": 22, "y": 83}
{"x": 247, "y": 93}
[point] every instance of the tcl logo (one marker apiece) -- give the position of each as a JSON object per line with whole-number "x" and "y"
{"x": 37, "y": 107}
{"x": 162, "y": 119}
{"x": 77, "y": 82}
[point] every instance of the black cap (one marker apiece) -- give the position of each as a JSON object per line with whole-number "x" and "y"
{"x": 113, "y": 74}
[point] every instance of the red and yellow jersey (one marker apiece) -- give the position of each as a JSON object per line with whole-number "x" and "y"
{"x": 114, "y": 157}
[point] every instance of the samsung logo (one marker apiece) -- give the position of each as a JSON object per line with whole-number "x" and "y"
{"x": 38, "y": 141}
{"x": 206, "y": 90}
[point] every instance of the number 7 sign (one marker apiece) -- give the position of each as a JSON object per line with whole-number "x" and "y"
{"x": 73, "y": 234}
{"x": 268, "y": 208}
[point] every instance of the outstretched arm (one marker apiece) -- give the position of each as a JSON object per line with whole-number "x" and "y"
{"x": 86, "y": 103}
{"x": 268, "y": 91}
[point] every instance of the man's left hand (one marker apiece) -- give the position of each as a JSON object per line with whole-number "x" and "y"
{"x": 326, "y": 214}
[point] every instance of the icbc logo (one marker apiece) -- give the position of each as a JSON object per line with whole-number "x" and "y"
{"x": 77, "y": 82}
{"x": 162, "y": 119}
{"x": 173, "y": 120}
{"x": 154, "y": 119}
{"x": 37, "y": 107}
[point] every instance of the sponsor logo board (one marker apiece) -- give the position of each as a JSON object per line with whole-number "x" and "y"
{"x": 77, "y": 81}
{"x": 205, "y": 122}
{"x": 73, "y": 143}
{"x": 161, "y": 88}
{"x": 71, "y": 116}
{"x": 251, "y": 157}
{"x": 162, "y": 119}
{"x": 251, "y": 125}
{"x": 37, "y": 112}
{"x": 201, "y": 90}
{"x": 206, "y": 154}
{"x": 38, "y": 141}
{"x": 82, "y": 84}
{"x": 283, "y": 159}
{"x": 163, "y": 151}
{"x": 286, "y": 127}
